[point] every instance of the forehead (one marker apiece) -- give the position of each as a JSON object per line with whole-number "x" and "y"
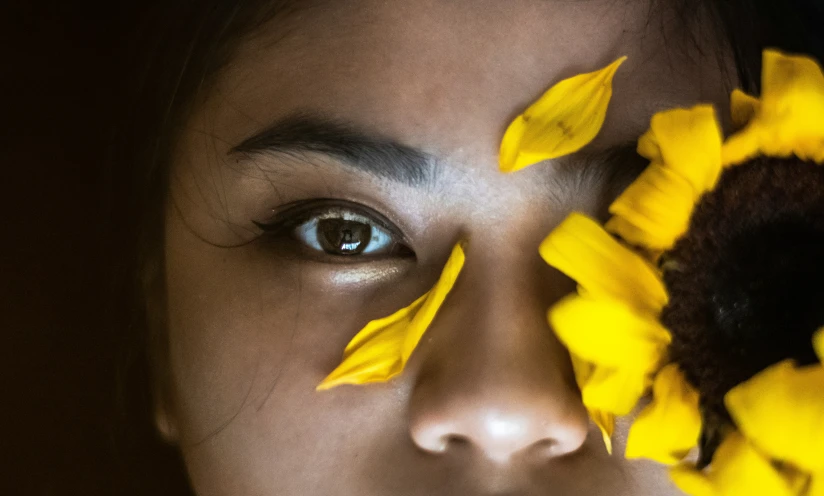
{"x": 448, "y": 76}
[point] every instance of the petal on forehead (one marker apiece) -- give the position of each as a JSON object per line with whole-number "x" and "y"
{"x": 565, "y": 119}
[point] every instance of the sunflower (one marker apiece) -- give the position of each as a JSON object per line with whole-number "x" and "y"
{"x": 703, "y": 289}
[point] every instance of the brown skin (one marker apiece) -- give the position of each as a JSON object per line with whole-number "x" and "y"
{"x": 488, "y": 403}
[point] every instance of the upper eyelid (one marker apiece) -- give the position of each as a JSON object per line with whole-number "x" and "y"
{"x": 325, "y": 214}
{"x": 296, "y": 214}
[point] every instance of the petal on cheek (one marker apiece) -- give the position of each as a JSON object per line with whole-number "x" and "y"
{"x": 380, "y": 350}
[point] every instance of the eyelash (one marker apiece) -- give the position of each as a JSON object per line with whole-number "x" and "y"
{"x": 291, "y": 218}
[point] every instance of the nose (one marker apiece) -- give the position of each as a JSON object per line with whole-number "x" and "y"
{"x": 493, "y": 376}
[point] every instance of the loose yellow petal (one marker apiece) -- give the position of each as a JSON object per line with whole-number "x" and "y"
{"x": 609, "y": 333}
{"x": 669, "y": 427}
{"x": 604, "y": 268}
{"x": 737, "y": 469}
{"x": 788, "y": 120}
{"x": 614, "y": 391}
{"x": 380, "y": 350}
{"x": 567, "y": 117}
{"x": 655, "y": 210}
{"x": 781, "y": 410}
{"x": 818, "y": 344}
{"x": 688, "y": 141}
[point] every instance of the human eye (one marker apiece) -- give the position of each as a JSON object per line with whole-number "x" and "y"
{"x": 344, "y": 231}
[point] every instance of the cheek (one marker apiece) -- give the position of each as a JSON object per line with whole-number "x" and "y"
{"x": 250, "y": 337}
{"x": 239, "y": 324}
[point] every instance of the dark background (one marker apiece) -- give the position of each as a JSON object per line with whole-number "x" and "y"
{"x": 65, "y": 75}
{"x": 69, "y": 73}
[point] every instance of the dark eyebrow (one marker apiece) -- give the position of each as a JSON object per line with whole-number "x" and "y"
{"x": 374, "y": 154}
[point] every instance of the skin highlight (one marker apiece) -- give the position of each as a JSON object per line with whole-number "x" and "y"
{"x": 488, "y": 402}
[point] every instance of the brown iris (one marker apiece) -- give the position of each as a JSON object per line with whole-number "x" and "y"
{"x": 343, "y": 237}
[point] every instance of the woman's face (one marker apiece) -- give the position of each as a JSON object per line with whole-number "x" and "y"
{"x": 382, "y": 119}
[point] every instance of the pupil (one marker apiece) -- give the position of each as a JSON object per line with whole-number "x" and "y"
{"x": 344, "y": 237}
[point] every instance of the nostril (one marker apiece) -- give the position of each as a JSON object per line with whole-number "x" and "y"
{"x": 546, "y": 448}
{"x": 433, "y": 437}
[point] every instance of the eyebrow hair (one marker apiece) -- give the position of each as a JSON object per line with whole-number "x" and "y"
{"x": 614, "y": 168}
{"x": 373, "y": 154}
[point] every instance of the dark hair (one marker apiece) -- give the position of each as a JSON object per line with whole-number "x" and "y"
{"x": 181, "y": 45}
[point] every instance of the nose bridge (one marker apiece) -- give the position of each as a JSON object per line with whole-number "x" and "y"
{"x": 493, "y": 374}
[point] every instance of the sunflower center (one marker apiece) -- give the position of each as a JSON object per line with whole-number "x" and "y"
{"x": 746, "y": 282}
{"x": 770, "y": 286}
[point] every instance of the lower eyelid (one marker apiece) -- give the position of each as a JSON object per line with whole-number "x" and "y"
{"x": 365, "y": 274}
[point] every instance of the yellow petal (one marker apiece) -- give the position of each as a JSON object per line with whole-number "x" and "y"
{"x": 567, "y": 117}
{"x": 737, "y": 469}
{"x": 609, "y": 333}
{"x": 648, "y": 147}
{"x": 743, "y": 108}
{"x": 654, "y": 211}
{"x": 798, "y": 481}
{"x": 614, "y": 391}
{"x": 691, "y": 481}
{"x": 582, "y": 369}
{"x": 818, "y": 344}
{"x": 688, "y": 141}
{"x": 604, "y": 268}
{"x": 380, "y": 350}
{"x": 669, "y": 427}
{"x": 788, "y": 120}
{"x": 606, "y": 423}
{"x": 781, "y": 410}
{"x": 816, "y": 486}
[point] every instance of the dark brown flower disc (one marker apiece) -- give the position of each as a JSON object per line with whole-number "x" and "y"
{"x": 746, "y": 283}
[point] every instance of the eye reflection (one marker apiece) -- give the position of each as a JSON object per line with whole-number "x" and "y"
{"x": 345, "y": 233}
{"x": 336, "y": 229}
